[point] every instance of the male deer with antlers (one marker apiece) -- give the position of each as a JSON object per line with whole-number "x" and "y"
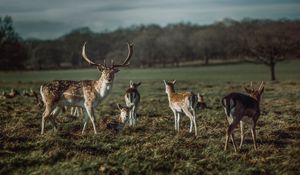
{"x": 241, "y": 108}
{"x": 86, "y": 93}
{"x": 183, "y": 102}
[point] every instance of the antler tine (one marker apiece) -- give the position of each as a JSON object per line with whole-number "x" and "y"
{"x": 85, "y": 57}
{"x": 261, "y": 85}
{"x": 88, "y": 60}
{"x": 127, "y": 60}
{"x": 111, "y": 62}
{"x": 251, "y": 84}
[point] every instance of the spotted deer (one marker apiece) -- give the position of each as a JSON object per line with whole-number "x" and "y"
{"x": 132, "y": 98}
{"x": 182, "y": 102}
{"x": 86, "y": 94}
{"x": 240, "y": 108}
{"x": 121, "y": 120}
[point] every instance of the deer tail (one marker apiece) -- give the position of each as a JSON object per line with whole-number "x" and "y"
{"x": 228, "y": 104}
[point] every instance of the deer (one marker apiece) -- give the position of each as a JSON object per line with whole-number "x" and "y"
{"x": 117, "y": 125}
{"x": 13, "y": 93}
{"x": 182, "y": 102}
{"x": 132, "y": 98}
{"x": 87, "y": 94}
{"x": 240, "y": 108}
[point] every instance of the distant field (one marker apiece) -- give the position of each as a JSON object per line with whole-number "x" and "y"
{"x": 153, "y": 147}
{"x": 236, "y": 72}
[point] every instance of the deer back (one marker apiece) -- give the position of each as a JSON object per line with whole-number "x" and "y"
{"x": 242, "y": 104}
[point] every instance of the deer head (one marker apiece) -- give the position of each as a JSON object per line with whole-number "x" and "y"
{"x": 124, "y": 113}
{"x": 134, "y": 85}
{"x": 201, "y": 103}
{"x": 170, "y": 86}
{"x": 108, "y": 72}
{"x": 255, "y": 93}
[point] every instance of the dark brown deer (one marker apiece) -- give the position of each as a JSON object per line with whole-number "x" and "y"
{"x": 86, "y": 94}
{"x": 241, "y": 108}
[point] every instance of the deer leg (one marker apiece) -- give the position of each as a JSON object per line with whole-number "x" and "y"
{"x": 188, "y": 113}
{"x": 90, "y": 113}
{"x": 134, "y": 115}
{"x": 130, "y": 117}
{"x": 85, "y": 120}
{"x": 242, "y": 134}
{"x": 175, "y": 119}
{"x": 233, "y": 142}
{"x": 194, "y": 120}
{"x": 178, "y": 120}
{"x": 229, "y": 133}
{"x": 46, "y": 114}
{"x": 253, "y": 132}
{"x": 53, "y": 116}
{"x": 191, "y": 126}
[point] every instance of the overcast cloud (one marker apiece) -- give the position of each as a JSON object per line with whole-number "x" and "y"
{"x": 53, "y": 18}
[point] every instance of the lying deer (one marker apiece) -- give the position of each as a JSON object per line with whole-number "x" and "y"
{"x": 122, "y": 119}
{"x": 183, "y": 102}
{"x": 86, "y": 94}
{"x": 241, "y": 108}
{"x": 13, "y": 93}
{"x": 132, "y": 98}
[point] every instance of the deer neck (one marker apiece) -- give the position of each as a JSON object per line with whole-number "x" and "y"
{"x": 170, "y": 93}
{"x": 103, "y": 87}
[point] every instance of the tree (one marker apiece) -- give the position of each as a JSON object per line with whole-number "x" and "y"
{"x": 13, "y": 53}
{"x": 271, "y": 42}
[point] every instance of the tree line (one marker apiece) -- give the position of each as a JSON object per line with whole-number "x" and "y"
{"x": 259, "y": 41}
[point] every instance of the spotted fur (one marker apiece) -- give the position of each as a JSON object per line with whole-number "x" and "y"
{"x": 86, "y": 94}
{"x": 184, "y": 102}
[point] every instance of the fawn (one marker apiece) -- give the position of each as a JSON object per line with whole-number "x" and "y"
{"x": 183, "y": 102}
{"x": 132, "y": 98}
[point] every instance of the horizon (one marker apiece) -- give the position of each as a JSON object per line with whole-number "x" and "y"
{"x": 51, "y": 20}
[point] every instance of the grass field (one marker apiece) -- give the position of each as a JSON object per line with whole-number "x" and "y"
{"x": 153, "y": 146}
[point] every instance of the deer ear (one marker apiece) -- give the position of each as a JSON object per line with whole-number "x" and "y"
{"x": 174, "y": 81}
{"x": 131, "y": 83}
{"x": 139, "y": 83}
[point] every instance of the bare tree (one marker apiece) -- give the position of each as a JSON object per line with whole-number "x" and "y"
{"x": 269, "y": 43}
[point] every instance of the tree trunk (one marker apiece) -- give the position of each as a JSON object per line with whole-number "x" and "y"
{"x": 272, "y": 67}
{"x": 206, "y": 60}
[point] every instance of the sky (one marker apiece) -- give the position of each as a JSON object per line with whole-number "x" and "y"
{"x": 49, "y": 19}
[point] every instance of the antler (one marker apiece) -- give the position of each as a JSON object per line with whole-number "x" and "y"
{"x": 88, "y": 60}
{"x": 126, "y": 62}
{"x": 261, "y": 85}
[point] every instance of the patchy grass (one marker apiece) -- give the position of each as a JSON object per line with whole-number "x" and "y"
{"x": 153, "y": 147}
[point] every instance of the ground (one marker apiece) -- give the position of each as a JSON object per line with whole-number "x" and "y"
{"x": 153, "y": 146}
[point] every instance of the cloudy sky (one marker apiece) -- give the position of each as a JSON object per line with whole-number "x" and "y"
{"x": 53, "y": 18}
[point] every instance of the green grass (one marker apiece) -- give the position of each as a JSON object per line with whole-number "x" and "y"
{"x": 237, "y": 72}
{"x": 153, "y": 147}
